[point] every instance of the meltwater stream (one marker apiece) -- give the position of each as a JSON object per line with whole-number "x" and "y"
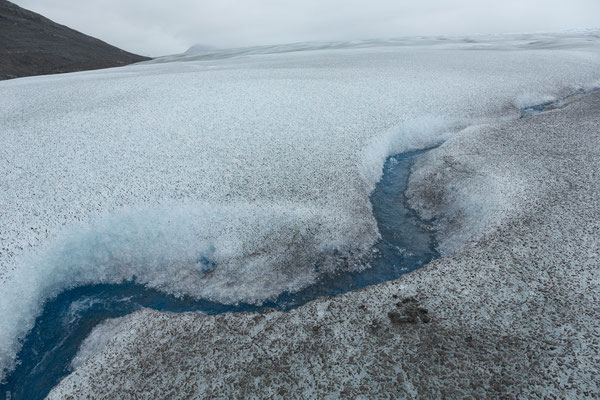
{"x": 406, "y": 244}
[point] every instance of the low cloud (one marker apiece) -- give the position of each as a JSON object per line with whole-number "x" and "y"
{"x": 157, "y": 27}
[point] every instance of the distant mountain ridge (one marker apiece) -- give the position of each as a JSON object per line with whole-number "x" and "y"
{"x": 31, "y": 44}
{"x": 200, "y": 49}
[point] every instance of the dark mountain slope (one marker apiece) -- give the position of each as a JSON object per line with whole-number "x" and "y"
{"x": 33, "y": 45}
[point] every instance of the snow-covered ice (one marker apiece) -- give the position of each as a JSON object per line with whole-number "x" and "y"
{"x": 229, "y": 177}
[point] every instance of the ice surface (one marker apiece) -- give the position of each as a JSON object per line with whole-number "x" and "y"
{"x": 97, "y": 340}
{"x": 230, "y": 178}
{"x": 511, "y": 314}
{"x": 570, "y": 39}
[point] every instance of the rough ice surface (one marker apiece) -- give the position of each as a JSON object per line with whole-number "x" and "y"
{"x": 231, "y": 177}
{"x": 102, "y": 335}
{"x": 512, "y": 313}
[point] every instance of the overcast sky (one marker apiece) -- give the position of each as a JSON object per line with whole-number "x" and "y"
{"x": 159, "y": 27}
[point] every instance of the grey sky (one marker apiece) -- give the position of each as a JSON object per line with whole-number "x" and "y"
{"x": 158, "y": 27}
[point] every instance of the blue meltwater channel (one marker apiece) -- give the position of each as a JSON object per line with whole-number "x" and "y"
{"x": 406, "y": 244}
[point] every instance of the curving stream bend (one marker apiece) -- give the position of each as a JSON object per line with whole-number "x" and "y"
{"x": 406, "y": 244}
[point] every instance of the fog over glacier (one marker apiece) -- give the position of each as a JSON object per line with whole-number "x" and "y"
{"x": 157, "y": 27}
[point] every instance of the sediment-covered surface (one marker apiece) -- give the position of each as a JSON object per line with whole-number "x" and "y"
{"x": 511, "y": 311}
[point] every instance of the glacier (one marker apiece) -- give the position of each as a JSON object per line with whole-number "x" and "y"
{"x": 228, "y": 176}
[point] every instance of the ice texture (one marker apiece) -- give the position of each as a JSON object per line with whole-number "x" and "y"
{"x": 232, "y": 178}
{"x": 512, "y": 313}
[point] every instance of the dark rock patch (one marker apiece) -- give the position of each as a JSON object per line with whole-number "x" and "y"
{"x": 31, "y": 44}
{"x": 409, "y": 312}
